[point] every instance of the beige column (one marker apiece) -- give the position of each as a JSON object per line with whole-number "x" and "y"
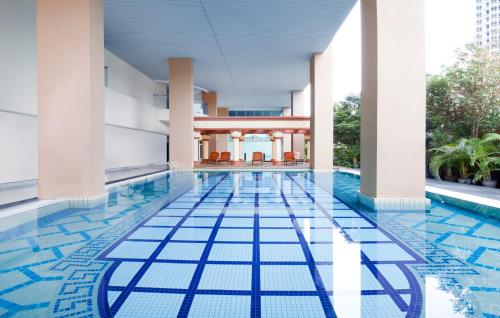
{"x": 278, "y": 147}
{"x": 321, "y": 79}
{"x": 298, "y": 109}
{"x": 70, "y": 75}
{"x": 222, "y": 139}
{"x": 287, "y": 138}
{"x": 180, "y": 76}
{"x": 196, "y": 147}
{"x": 242, "y": 151}
{"x": 210, "y": 99}
{"x": 235, "y": 136}
{"x": 393, "y": 105}
{"x": 307, "y": 139}
{"x": 273, "y": 149}
{"x": 205, "y": 145}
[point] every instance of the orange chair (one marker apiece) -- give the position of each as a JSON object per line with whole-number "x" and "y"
{"x": 289, "y": 158}
{"x": 214, "y": 156}
{"x": 225, "y": 157}
{"x": 258, "y": 157}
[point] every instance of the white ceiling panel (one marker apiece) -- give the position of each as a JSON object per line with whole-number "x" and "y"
{"x": 251, "y": 52}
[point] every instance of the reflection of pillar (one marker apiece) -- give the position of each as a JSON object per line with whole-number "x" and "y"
{"x": 236, "y": 135}
{"x": 236, "y": 184}
{"x": 205, "y": 145}
{"x": 278, "y": 143}
{"x": 277, "y": 183}
{"x": 242, "y": 152}
{"x": 196, "y": 147}
{"x": 307, "y": 138}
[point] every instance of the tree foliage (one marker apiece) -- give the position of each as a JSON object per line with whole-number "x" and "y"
{"x": 347, "y": 131}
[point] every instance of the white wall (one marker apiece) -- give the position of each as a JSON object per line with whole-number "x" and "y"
{"x": 134, "y": 133}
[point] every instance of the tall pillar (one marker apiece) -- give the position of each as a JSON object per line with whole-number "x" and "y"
{"x": 307, "y": 139}
{"x": 222, "y": 139}
{"x": 298, "y": 109}
{"x": 210, "y": 99}
{"x": 278, "y": 146}
{"x": 287, "y": 138}
{"x": 321, "y": 79}
{"x": 273, "y": 149}
{"x": 205, "y": 145}
{"x": 242, "y": 151}
{"x": 70, "y": 58}
{"x": 393, "y": 105}
{"x": 196, "y": 147}
{"x": 235, "y": 136}
{"x": 180, "y": 76}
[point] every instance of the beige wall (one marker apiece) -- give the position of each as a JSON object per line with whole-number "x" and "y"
{"x": 181, "y": 111}
{"x": 321, "y": 79}
{"x": 393, "y": 99}
{"x": 222, "y": 144}
{"x": 70, "y": 53}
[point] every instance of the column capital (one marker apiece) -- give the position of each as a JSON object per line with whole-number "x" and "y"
{"x": 196, "y": 135}
{"x": 235, "y": 134}
{"x": 277, "y": 135}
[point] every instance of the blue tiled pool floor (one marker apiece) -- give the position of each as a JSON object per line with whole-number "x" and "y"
{"x": 270, "y": 244}
{"x": 267, "y": 245}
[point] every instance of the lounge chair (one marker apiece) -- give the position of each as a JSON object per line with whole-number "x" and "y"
{"x": 257, "y": 157}
{"x": 289, "y": 157}
{"x": 214, "y": 156}
{"x": 225, "y": 157}
{"x": 298, "y": 157}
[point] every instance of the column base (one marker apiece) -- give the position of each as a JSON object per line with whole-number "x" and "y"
{"x": 277, "y": 163}
{"x": 87, "y": 202}
{"x": 238, "y": 163}
{"x": 196, "y": 163}
{"x": 393, "y": 204}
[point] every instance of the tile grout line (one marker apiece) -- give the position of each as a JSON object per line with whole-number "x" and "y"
{"x": 195, "y": 281}
{"x": 255, "y": 307}
{"x": 318, "y": 283}
{"x": 135, "y": 280}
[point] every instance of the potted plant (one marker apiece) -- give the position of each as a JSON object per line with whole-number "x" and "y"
{"x": 486, "y": 158}
{"x": 456, "y": 155}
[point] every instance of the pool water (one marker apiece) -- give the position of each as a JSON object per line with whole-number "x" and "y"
{"x": 248, "y": 244}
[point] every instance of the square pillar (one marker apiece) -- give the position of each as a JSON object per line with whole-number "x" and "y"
{"x": 210, "y": 99}
{"x": 298, "y": 109}
{"x": 287, "y": 138}
{"x": 321, "y": 79}
{"x": 222, "y": 138}
{"x": 393, "y": 105}
{"x": 70, "y": 75}
{"x": 180, "y": 76}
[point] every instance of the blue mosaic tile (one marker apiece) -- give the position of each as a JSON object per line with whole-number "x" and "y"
{"x": 281, "y": 253}
{"x": 385, "y": 252}
{"x": 278, "y": 277}
{"x": 150, "y": 233}
{"x": 278, "y": 235}
{"x": 352, "y": 222}
{"x": 192, "y": 234}
{"x": 124, "y": 273}
{"x": 220, "y": 306}
{"x": 237, "y": 222}
{"x": 182, "y": 251}
{"x": 163, "y": 221}
{"x": 151, "y": 305}
{"x": 129, "y": 249}
{"x": 226, "y": 277}
{"x": 292, "y": 306}
{"x": 275, "y": 222}
{"x": 192, "y": 221}
{"x": 244, "y": 235}
{"x": 231, "y": 252}
{"x": 361, "y": 235}
{"x": 167, "y": 275}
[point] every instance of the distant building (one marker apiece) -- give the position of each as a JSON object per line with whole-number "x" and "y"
{"x": 488, "y": 24}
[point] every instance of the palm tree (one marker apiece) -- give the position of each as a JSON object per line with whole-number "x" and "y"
{"x": 466, "y": 155}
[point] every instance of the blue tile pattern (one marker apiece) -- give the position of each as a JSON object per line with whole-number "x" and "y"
{"x": 277, "y": 245}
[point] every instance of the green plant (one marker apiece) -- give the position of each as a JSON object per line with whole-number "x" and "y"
{"x": 457, "y": 155}
{"x": 486, "y": 156}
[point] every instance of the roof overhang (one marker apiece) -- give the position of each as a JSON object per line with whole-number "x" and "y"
{"x": 252, "y": 125}
{"x": 252, "y": 53}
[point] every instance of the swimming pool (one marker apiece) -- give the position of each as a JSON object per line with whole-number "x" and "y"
{"x": 248, "y": 244}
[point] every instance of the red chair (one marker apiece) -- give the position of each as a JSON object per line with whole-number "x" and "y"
{"x": 289, "y": 158}
{"x": 214, "y": 156}
{"x": 225, "y": 157}
{"x": 258, "y": 157}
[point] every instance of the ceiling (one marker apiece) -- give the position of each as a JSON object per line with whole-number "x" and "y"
{"x": 251, "y": 52}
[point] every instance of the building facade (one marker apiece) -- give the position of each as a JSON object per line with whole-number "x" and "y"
{"x": 488, "y": 24}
